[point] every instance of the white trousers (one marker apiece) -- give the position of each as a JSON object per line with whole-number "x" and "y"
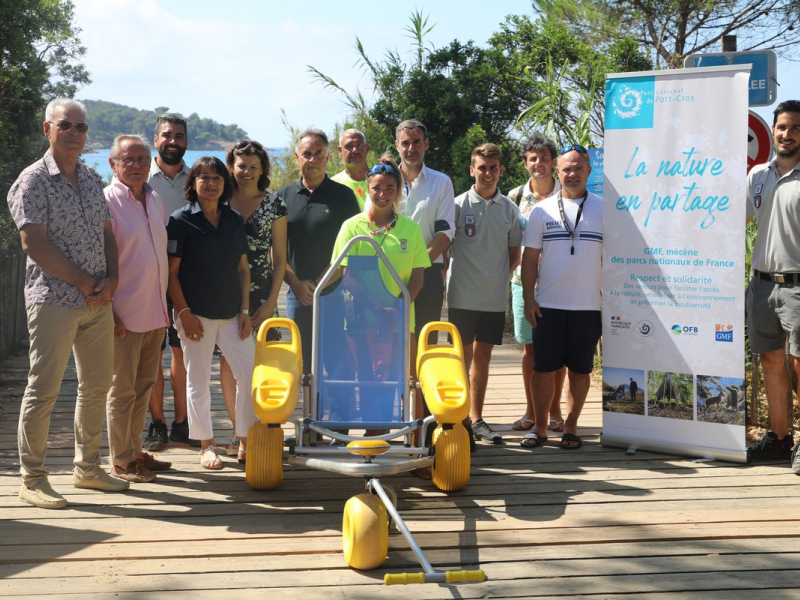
{"x": 197, "y": 357}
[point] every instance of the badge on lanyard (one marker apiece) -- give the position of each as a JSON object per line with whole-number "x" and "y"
{"x": 469, "y": 229}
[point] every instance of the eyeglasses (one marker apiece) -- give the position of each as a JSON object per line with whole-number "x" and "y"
{"x": 129, "y": 161}
{"x": 576, "y": 147}
{"x": 383, "y": 169}
{"x": 243, "y": 144}
{"x": 68, "y": 125}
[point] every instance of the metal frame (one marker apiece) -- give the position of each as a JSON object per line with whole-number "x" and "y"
{"x": 337, "y": 459}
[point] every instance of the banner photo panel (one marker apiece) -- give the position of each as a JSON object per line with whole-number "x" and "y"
{"x": 675, "y": 164}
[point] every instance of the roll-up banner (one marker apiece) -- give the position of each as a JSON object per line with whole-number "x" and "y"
{"x": 674, "y": 255}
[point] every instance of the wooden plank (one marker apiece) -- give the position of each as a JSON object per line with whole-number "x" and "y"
{"x": 543, "y": 523}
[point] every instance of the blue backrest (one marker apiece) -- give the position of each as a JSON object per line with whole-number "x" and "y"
{"x": 362, "y": 348}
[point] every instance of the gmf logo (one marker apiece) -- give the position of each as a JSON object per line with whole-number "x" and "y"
{"x": 723, "y": 333}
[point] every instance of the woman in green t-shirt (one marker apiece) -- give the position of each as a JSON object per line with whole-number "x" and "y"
{"x": 401, "y": 240}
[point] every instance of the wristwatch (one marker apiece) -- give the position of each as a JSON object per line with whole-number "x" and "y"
{"x": 245, "y": 311}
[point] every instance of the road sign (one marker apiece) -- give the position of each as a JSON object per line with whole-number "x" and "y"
{"x": 759, "y": 141}
{"x": 763, "y": 75}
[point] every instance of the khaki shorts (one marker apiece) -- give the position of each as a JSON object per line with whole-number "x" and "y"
{"x": 773, "y": 312}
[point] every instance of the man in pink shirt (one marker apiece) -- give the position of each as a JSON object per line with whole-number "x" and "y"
{"x": 139, "y": 305}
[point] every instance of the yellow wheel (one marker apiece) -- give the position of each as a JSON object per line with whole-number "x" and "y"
{"x": 365, "y": 532}
{"x": 264, "y": 466}
{"x": 451, "y": 457}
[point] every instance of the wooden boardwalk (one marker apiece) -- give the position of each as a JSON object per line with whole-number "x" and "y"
{"x": 591, "y": 523}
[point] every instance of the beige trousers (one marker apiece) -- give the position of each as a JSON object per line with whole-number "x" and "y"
{"x": 136, "y": 363}
{"x": 54, "y": 332}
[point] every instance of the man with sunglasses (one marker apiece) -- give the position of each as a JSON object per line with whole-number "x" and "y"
{"x": 168, "y": 173}
{"x": 65, "y": 227}
{"x": 562, "y": 261}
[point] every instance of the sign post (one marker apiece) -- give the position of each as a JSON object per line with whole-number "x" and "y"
{"x": 763, "y": 85}
{"x": 759, "y": 141}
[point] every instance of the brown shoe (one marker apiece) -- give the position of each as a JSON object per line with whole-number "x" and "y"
{"x": 134, "y": 472}
{"x": 150, "y": 463}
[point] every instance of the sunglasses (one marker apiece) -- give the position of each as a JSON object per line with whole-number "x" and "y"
{"x": 242, "y": 144}
{"x": 383, "y": 169}
{"x": 576, "y": 147}
{"x": 68, "y": 125}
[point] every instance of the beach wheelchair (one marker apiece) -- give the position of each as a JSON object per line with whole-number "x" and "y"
{"x": 361, "y": 381}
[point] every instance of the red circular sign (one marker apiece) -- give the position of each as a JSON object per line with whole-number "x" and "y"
{"x": 759, "y": 141}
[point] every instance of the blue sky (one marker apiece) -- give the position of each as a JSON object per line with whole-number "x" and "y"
{"x": 245, "y": 62}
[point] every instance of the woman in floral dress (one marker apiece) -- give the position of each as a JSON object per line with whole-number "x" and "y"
{"x": 264, "y": 217}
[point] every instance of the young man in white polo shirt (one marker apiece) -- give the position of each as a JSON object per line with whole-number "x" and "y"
{"x": 485, "y": 251}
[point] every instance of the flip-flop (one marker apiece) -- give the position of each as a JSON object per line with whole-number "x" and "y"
{"x": 533, "y": 439}
{"x": 556, "y": 425}
{"x": 574, "y": 439}
{"x": 213, "y": 463}
{"x": 519, "y": 425}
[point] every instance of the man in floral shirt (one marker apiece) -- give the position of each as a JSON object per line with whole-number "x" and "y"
{"x": 65, "y": 227}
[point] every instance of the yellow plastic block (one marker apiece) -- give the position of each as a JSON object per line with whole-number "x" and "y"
{"x": 442, "y": 375}
{"x": 277, "y": 373}
{"x": 368, "y": 447}
{"x": 403, "y": 578}
{"x": 465, "y": 576}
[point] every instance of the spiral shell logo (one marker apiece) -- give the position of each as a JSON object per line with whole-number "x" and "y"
{"x": 628, "y": 104}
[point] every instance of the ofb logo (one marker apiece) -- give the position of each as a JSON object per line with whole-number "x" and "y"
{"x": 684, "y": 329}
{"x": 645, "y": 328}
{"x": 629, "y": 102}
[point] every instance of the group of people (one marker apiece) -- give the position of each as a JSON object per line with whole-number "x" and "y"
{"x": 202, "y": 251}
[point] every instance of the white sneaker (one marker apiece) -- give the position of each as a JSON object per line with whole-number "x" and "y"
{"x": 100, "y": 481}
{"x": 44, "y": 496}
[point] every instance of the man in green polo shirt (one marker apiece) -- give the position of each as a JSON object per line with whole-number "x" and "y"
{"x": 353, "y": 148}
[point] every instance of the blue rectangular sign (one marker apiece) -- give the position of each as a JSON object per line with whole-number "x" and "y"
{"x": 595, "y": 183}
{"x": 763, "y": 76}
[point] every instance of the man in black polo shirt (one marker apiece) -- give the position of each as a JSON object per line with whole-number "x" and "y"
{"x": 317, "y": 207}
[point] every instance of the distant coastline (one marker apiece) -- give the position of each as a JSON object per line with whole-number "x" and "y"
{"x": 97, "y": 158}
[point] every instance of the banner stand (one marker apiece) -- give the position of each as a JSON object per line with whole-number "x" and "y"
{"x": 675, "y": 168}
{"x": 688, "y": 450}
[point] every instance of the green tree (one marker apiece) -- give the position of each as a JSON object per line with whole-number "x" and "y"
{"x": 564, "y": 76}
{"x": 452, "y": 90}
{"x": 673, "y": 29}
{"x": 40, "y": 55}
